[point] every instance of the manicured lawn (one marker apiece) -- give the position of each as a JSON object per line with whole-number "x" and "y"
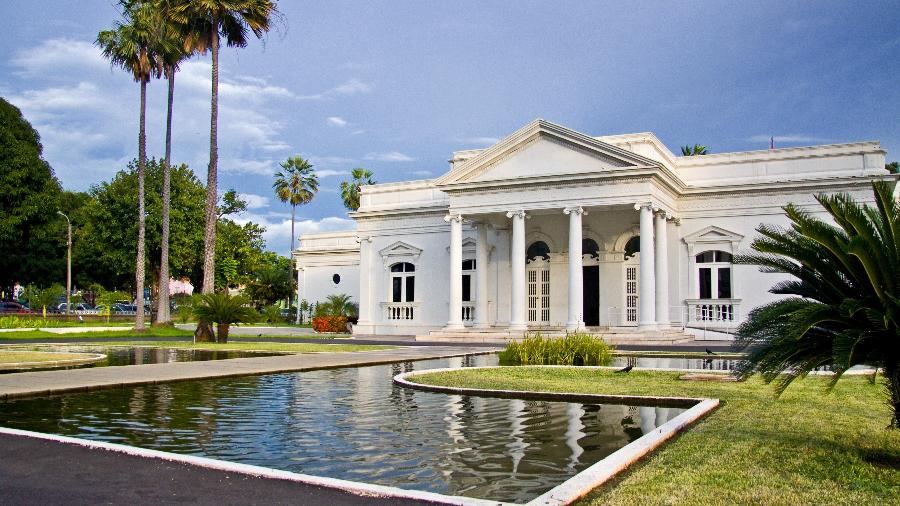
{"x": 247, "y": 346}
{"x": 150, "y": 332}
{"x": 809, "y": 446}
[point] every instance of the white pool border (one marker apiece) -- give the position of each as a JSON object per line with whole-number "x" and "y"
{"x": 599, "y": 473}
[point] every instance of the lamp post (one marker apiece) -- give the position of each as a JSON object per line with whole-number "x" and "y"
{"x": 68, "y": 265}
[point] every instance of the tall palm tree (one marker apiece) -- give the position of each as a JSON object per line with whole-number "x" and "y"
{"x": 296, "y": 184}
{"x": 350, "y": 189}
{"x": 694, "y": 150}
{"x": 130, "y": 46}
{"x": 205, "y": 22}
{"x": 844, "y": 304}
{"x": 171, "y": 51}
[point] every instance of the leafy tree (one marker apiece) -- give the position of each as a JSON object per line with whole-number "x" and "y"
{"x": 203, "y": 22}
{"x": 350, "y": 189}
{"x": 106, "y": 235}
{"x": 843, "y": 307}
{"x": 130, "y": 46}
{"x": 224, "y": 309}
{"x": 272, "y": 314}
{"x": 31, "y": 243}
{"x": 271, "y": 281}
{"x": 240, "y": 246}
{"x": 893, "y": 167}
{"x": 296, "y": 184}
{"x": 43, "y": 298}
{"x": 694, "y": 150}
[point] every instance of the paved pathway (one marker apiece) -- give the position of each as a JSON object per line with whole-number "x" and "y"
{"x": 49, "y": 382}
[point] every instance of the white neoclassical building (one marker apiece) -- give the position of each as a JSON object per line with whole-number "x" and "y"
{"x": 554, "y": 230}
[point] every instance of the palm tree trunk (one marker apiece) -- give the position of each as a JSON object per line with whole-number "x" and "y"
{"x": 222, "y": 331}
{"x": 892, "y": 382}
{"x": 139, "y": 263}
{"x": 293, "y": 219}
{"x": 162, "y": 312}
{"x": 204, "y": 329}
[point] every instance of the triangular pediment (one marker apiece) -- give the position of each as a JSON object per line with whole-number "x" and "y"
{"x": 542, "y": 149}
{"x": 712, "y": 233}
{"x": 400, "y": 248}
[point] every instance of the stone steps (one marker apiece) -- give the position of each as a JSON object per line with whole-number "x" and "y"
{"x": 614, "y": 335}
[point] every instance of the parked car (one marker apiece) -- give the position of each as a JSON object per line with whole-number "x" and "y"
{"x": 79, "y": 308}
{"x": 10, "y": 307}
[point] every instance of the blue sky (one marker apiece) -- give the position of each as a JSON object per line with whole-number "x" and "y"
{"x": 396, "y": 86}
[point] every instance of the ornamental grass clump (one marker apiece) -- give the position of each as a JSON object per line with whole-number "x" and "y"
{"x": 573, "y": 349}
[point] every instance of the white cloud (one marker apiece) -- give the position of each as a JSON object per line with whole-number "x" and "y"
{"x": 331, "y": 172}
{"x": 254, "y": 201}
{"x": 421, "y": 173}
{"x": 789, "y": 138}
{"x": 336, "y": 121}
{"x": 53, "y": 55}
{"x": 278, "y": 229}
{"x": 357, "y": 132}
{"x": 352, "y": 86}
{"x": 390, "y": 156}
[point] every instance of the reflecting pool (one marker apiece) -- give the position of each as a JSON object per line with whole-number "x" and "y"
{"x": 139, "y": 355}
{"x": 355, "y": 424}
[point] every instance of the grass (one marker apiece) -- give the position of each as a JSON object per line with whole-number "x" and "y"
{"x": 809, "y": 446}
{"x": 247, "y": 346}
{"x": 150, "y": 332}
{"x": 13, "y": 357}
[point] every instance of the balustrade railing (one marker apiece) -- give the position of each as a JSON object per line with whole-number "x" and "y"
{"x": 468, "y": 312}
{"x": 713, "y": 311}
{"x": 400, "y": 310}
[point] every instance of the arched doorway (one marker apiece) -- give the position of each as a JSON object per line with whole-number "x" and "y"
{"x": 537, "y": 275}
{"x": 631, "y": 279}
{"x": 590, "y": 275}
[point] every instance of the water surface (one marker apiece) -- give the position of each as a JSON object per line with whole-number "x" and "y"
{"x": 355, "y": 424}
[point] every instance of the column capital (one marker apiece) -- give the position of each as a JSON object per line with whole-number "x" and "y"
{"x": 518, "y": 214}
{"x": 661, "y": 213}
{"x": 574, "y": 210}
{"x": 643, "y": 205}
{"x": 363, "y": 238}
{"x": 453, "y": 217}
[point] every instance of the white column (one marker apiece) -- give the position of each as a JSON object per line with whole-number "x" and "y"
{"x": 454, "y": 322}
{"x": 517, "y": 319}
{"x": 576, "y": 291}
{"x": 647, "y": 316}
{"x": 365, "y": 282}
{"x": 661, "y": 252}
{"x": 481, "y": 276}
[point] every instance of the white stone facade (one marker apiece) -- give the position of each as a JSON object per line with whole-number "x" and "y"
{"x": 552, "y": 218}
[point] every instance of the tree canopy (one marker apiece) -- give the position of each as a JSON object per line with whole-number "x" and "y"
{"x": 31, "y": 247}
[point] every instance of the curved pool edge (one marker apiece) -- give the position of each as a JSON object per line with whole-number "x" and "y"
{"x": 82, "y": 359}
{"x": 639, "y": 400}
{"x": 353, "y": 487}
{"x": 601, "y": 472}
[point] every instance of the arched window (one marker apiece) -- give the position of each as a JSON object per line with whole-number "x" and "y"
{"x": 589, "y": 247}
{"x": 537, "y": 250}
{"x": 403, "y": 282}
{"x": 714, "y": 274}
{"x": 632, "y": 247}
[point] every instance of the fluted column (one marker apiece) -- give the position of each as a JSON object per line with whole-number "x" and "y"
{"x": 576, "y": 291}
{"x": 517, "y": 319}
{"x": 454, "y": 322}
{"x": 481, "y": 270}
{"x": 647, "y": 316}
{"x": 661, "y": 252}
{"x": 365, "y": 281}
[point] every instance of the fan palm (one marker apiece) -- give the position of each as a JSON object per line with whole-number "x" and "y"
{"x": 204, "y": 22}
{"x": 350, "y": 189}
{"x": 844, "y": 302}
{"x": 296, "y": 184}
{"x": 694, "y": 150}
{"x": 224, "y": 309}
{"x": 337, "y": 305}
{"x": 130, "y": 46}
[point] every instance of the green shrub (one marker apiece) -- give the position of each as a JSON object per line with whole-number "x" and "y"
{"x": 574, "y": 349}
{"x": 272, "y": 314}
{"x": 224, "y": 309}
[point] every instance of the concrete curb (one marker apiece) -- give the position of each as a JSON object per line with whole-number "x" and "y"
{"x": 353, "y": 487}
{"x": 582, "y": 483}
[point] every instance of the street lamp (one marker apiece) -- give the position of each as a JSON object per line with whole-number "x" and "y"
{"x": 68, "y": 265}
